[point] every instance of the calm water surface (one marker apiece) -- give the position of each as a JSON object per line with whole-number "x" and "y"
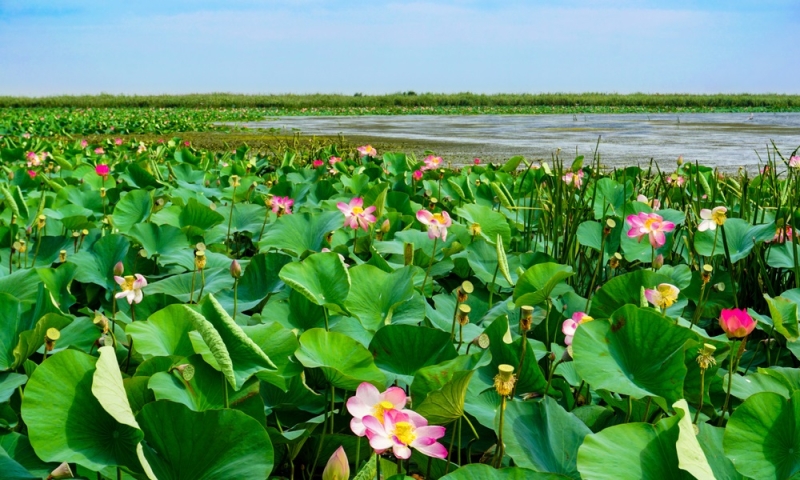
{"x": 728, "y": 140}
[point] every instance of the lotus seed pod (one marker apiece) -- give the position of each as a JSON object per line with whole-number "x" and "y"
{"x": 475, "y": 229}
{"x": 50, "y": 338}
{"x": 23, "y": 247}
{"x": 481, "y": 341}
{"x": 41, "y": 221}
{"x": 62, "y": 256}
{"x": 236, "y": 269}
{"x": 101, "y": 322}
{"x": 186, "y": 371}
{"x": 102, "y": 192}
{"x": 526, "y": 319}
{"x": 119, "y": 269}
{"x": 200, "y": 259}
{"x": 463, "y": 314}
{"x": 234, "y": 180}
{"x": 504, "y": 380}
{"x": 706, "y": 275}
{"x": 408, "y": 253}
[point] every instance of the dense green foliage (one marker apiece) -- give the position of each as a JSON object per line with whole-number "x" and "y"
{"x": 247, "y": 311}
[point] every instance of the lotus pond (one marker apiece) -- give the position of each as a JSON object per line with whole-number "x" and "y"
{"x": 171, "y": 312}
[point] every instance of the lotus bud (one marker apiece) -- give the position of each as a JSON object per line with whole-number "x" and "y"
{"x": 526, "y": 319}
{"x": 408, "y": 253}
{"x": 200, "y": 259}
{"x": 567, "y": 355}
{"x": 658, "y": 262}
{"x": 101, "y": 322}
{"x": 463, "y": 314}
{"x": 504, "y": 380}
{"x": 475, "y": 229}
{"x": 186, "y": 371}
{"x": 62, "y": 471}
{"x": 119, "y": 269}
{"x": 268, "y": 201}
{"x": 337, "y": 468}
{"x": 41, "y": 221}
{"x": 236, "y": 269}
{"x": 386, "y": 226}
{"x": 62, "y": 256}
{"x": 680, "y": 161}
{"x": 50, "y": 338}
{"x": 706, "y": 356}
{"x": 481, "y": 341}
{"x": 706, "y": 275}
{"x": 269, "y": 183}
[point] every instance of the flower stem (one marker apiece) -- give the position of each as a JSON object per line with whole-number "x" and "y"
{"x": 550, "y": 376}
{"x": 430, "y": 264}
{"x": 730, "y": 266}
{"x": 202, "y": 283}
{"x": 491, "y": 290}
{"x": 377, "y": 467}
{"x": 235, "y": 296}
{"x": 325, "y": 312}
{"x": 732, "y": 370}
{"x": 225, "y": 401}
{"x": 498, "y": 451}
{"x": 702, "y": 394}
{"x": 230, "y": 220}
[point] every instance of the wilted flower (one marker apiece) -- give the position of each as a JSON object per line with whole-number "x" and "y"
{"x": 355, "y": 215}
{"x": 662, "y": 296}
{"x": 282, "y": 205}
{"x": 367, "y": 151}
{"x": 650, "y": 224}
{"x": 574, "y": 179}
{"x": 368, "y": 401}
{"x": 337, "y": 468}
{"x": 417, "y": 175}
{"x": 131, "y": 287}
{"x": 706, "y": 356}
{"x": 736, "y": 323}
{"x": 432, "y": 162}
{"x": 61, "y": 472}
{"x": 102, "y": 170}
{"x": 437, "y": 223}
{"x": 794, "y": 161}
{"x": 504, "y": 380}
{"x": 317, "y": 163}
{"x": 99, "y": 151}
{"x": 142, "y": 148}
{"x": 570, "y": 325}
{"x": 401, "y": 432}
{"x": 782, "y": 234}
{"x": 712, "y": 218}
{"x": 33, "y": 159}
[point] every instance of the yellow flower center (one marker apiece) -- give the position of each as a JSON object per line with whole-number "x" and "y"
{"x": 357, "y": 210}
{"x": 439, "y": 218}
{"x": 381, "y": 408}
{"x": 404, "y": 432}
{"x": 668, "y": 296}
{"x": 719, "y": 216}
{"x": 128, "y": 285}
{"x": 648, "y": 224}
{"x": 586, "y": 319}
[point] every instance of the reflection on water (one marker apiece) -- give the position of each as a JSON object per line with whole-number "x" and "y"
{"x": 728, "y": 140}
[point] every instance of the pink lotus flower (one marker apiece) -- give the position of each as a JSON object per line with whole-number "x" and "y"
{"x": 333, "y": 160}
{"x": 367, "y": 151}
{"x": 368, "y": 401}
{"x": 437, "y": 223}
{"x": 102, "y": 170}
{"x": 736, "y": 323}
{"x": 99, "y": 151}
{"x": 417, "y": 175}
{"x": 794, "y": 162}
{"x": 187, "y": 143}
{"x": 782, "y": 234}
{"x": 650, "y": 224}
{"x": 712, "y": 218}
{"x": 117, "y": 141}
{"x": 355, "y": 215}
{"x": 662, "y": 296}
{"x": 401, "y": 432}
{"x": 432, "y": 162}
{"x": 32, "y": 174}
{"x": 33, "y": 159}
{"x": 317, "y": 163}
{"x": 84, "y": 143}
{"x": 574, "y": 179}
{"x": 476, "y": 161}
{"x": 26, "y": 135}
{"x": 131, "y": 287}
{"x": 337, "y": 468}
{"x": 570, "y": 325}
{"x": 282, "y": 205}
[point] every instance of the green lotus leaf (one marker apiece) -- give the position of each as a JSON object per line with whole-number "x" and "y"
{"x": 742, "y": 236}
{"x": 279, "y": 344}
{"x": 478, "y": 471}
{"x": 434, "y": 377}
{"x": 690, "y": 455}
{"x": 13, "y": 324}
{"x": 374, "y": 294}
{"x": 9, "y": 383}
{"x": 167, "y": 243}
{"x": 530, "y": 377}
{"x": 344, "y": 362}
{"x": 637, "y": 352}
{"x": 492, "y": 223}
{"x": 296, "y": 312}
{"x": 164, "y": 333}
{"x": 58, "y": 281}
{"x": 300, "y": 232}
{"x": 96, "y": 264}
{"x": 13, "y": 470}
{"x": 540, "y": 282}
{"x": 66, "y": 423}
{"x": 18, "y": 447}
{"x": 133, "y": 208}
{"x": 259, "y": 280}
{"x": 212, "y": 445}
{"x": 21, "y": 285}
{"x": 401, "y": 350}
{"x": 762, "y": 437}
{"x": 784, "y": 313}
{"x": 710, "y": 439}
{"x": 180, "y": 286}
{"x": 322, "y": 278}
{"x": 624, "y": 289}
{"x": 446, "y": 405}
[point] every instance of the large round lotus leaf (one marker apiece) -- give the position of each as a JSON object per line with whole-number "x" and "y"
{"x": 543, "y": 436}
{"x": 13, "y": 324}
{"x": 181, "y": 444}
{"x": 375, "y": 294}
{"x": 401, "y": 350}
{"x": 18, "y": 447}
{"x": 633, "y": 451}
{"x": 9, "y": 383}
{"x": 12, "y": 470}
{"x": 636, "y": 352}
{"x": 260, "y": 278}
{"x": 530, "y": 376}
{"x": 742, "y": 236}
{"x": 58, "y": 282}
{"x": 180, "y": 286}
{"x": 492, "y": 223}
{"x": 321, "y": 277}
{"x": 96, "y": 265}
{"x": 710, "y": 440}
{"x": 624, "y": 289}
{"x": 540, "y": 282}
{"x": 344, "y": 362}
{"x": 300, "y": 232}
{"x": 165, "y": 333}
{"x": 762, "y": 438}
{"x": 21, "y": 285}
{"x": 66, "y": 422}
{"x": 165, "y": 242}
{"x": 479, "y": 471}
{"x": 132, "y": 208}
{"x": 446, "y": 405}
{"x": 279, "y": 344}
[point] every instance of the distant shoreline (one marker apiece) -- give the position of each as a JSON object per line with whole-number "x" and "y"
{"x": 410, "y": 103}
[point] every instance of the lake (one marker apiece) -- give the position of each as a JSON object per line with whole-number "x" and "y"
{"x": 727, "y": 140}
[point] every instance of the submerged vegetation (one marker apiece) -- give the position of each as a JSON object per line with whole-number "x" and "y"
{"x": 172, "y": 312}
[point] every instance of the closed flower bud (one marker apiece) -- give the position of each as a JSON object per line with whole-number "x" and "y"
{"x": 61, "y": 472}
{"x": 386, "y": 226}
{"x": 658, "y": 262}
{"x": 408, "y": 253}
{"x": 119, "y": 269}
{"x": 236, "y": 269}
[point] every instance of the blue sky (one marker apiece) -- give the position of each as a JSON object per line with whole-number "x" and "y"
{"x": 306, "y": 46}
